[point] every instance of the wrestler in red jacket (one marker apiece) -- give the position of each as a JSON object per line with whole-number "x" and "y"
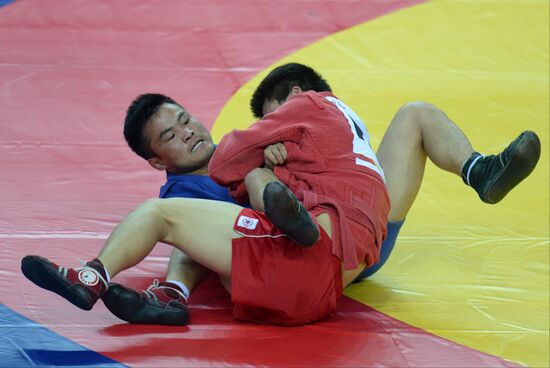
{"x": 330, "y": 165}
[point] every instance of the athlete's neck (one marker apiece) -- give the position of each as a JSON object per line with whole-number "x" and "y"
{"x": 203, "y": 170}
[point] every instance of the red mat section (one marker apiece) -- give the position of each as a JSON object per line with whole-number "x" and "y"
{"x": 68, "y": 70}
{"x": 355, "y": 336}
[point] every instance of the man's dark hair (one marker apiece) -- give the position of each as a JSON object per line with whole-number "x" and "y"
{"x": 139, "y": 113}
{"x": 279, "y": 82}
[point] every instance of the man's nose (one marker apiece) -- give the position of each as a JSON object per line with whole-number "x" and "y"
{"x": 187, "y": 134}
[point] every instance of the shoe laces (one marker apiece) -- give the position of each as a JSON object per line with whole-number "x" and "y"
{"x": 156, "y": 285}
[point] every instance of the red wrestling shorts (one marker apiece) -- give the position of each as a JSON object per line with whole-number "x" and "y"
{"x": 276, "y": 281}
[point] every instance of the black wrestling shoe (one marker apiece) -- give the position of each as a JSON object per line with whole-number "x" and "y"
{"x": 494, "y": 176}
{"x": 80, "y": 286}
{"x": 287, "y": 213}
{"x": 160, "y": 304}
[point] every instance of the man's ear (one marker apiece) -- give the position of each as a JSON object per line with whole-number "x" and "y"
{"x": 295, "y": 90}
{"x": 156, "y": 163}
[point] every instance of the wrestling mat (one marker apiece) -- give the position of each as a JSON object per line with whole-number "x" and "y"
{"x": 466, "y": 286}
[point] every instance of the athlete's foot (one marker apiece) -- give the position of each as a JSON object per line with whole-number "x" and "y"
{"x": 288, "y": 214}
{"x": 80, "y": 286}
{"x": 494, "y": 176}
{"x": 161, "y": 304}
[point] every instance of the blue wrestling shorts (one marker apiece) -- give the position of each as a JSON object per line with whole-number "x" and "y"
{"x": 385, "y": 250}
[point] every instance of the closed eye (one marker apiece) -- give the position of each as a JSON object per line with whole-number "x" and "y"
{"x": 183, "y": 118}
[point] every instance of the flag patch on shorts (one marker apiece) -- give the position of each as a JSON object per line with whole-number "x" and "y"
{"x": 247, "y": 222}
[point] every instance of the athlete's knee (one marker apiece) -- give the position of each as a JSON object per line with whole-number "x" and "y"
{"x": 419, "y": 112}
{"x": 151, "y": 204}
{"x": 152, "y": 208}
{"x": 408, "y": 119}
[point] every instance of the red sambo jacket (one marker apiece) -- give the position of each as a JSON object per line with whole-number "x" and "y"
{"x": 330, "y": 164}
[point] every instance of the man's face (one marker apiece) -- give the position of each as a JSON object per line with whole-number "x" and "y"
{"x": 180, "y": 143}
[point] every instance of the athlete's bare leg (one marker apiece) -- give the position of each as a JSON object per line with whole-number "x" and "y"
{"x": 201, "y": 229}
{"x": 418, "y": 130}
{"x": 183, "y": 269}
{"x": 255, "y": 182}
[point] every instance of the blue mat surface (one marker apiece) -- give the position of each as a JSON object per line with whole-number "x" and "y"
{"x": 24, "y": 343}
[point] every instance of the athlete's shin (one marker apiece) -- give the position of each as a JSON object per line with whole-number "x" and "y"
{"x": 443, "y": 142}
{"x": 183, "y": 269}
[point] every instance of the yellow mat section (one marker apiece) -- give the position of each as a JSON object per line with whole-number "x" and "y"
{"x": 473, "y": 273}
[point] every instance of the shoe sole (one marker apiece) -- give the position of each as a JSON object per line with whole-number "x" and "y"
{"x": 521, "y": 164}
{"x": 129, "y": 306}
{"x": 39, "y": 270}
{"x": 295, "y": 222}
